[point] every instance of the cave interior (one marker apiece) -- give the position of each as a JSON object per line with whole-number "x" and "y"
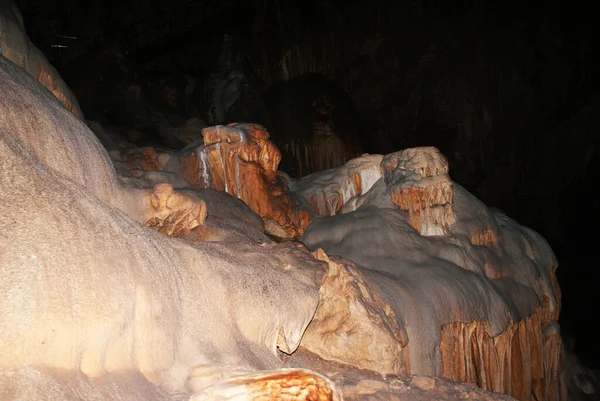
{"x": 507, "y": 90}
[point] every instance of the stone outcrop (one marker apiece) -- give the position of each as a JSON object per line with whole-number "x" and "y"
{"x": 163, "y": 285}
{"x": 327, "y": 192}
{"x": 357, "y": 384}
{"x": 524, "y": 361}
{"x": 481, "y": 286}
{"x": 16, "y": 46}
{"x": 238, "y": 159}
{"x": 292, "y": 384}
{"x": 422, "y": 187}
{"x": 115, "y": 306}
{"x": 349, "y": 304}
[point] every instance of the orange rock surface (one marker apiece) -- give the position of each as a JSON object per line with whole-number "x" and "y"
{"x": 239, "y": 159}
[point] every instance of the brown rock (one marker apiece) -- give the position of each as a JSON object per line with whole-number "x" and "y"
{"x": 422, "y": 187}
{"x": 521, "y": 362}
{"x": 423, "y": 382}
{"x": 174, "y": 213}
{"x": 353, "y": 324}
{"x": 239, "y": 159}
{"x": 363, "y": 385}
{"x": 284, "y": 385}
{"x": 16, "y": 46}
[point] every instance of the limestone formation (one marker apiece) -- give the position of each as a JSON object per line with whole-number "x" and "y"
{"x": 422, "y": 187}
{"x": 91, "y": 293}
{"x": 162, "y": 285}
{"x": 328, "y": 192}
{"x": 353, "y": 324}
{"x": 237, "y": 159}
{"x": 173, "y": 213}
{"x": 16, "y": 46}
{"x": 482, "y": 287}
{"x": 284, "y": 385}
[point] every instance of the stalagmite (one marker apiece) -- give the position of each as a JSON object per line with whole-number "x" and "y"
{"x": 239, "y": 159}
{"x": 422, "y": 187}
{"x": 475, "y": 292}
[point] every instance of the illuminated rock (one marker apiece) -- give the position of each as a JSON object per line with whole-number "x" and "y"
{"x": 422, "y": 187}
{"x": 288, "y": 384}
{"x": 475, "y": 293}
{"x": 239, "y": 159}
{"x": 99, "y": 302}
{"x": 16, "y": 46}
{"x": 353, "y": 324}
{"x": 100, "y": 306}
{"x": 327, "y": 192}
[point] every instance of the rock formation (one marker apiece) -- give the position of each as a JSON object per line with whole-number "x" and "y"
{"x": 103, "y": 299}
{"x": 162, "y": 284}
{"x": 407, "y": 227}
{"x": 422, "y": 187}
{"x": 16, "y": 46}
{"x": 114, "y": 310}
{"x": 331, "y": 191}
{"x": 481, "y": 286}
{"x": 238, "y": 159}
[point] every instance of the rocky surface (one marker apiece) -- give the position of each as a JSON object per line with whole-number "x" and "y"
{"x": 238, "y": 159}
{"x": 91, "y": 301}
{"x": 433, "y": 252}
{"x": 16, "y": 46}
{"x": 160, "y": 280}
{"x": 135, "y": 313}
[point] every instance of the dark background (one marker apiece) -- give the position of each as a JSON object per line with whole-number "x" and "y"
{"x": 508, "y": 91}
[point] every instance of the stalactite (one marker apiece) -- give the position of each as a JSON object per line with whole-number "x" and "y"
{"x": 522, "y": 362}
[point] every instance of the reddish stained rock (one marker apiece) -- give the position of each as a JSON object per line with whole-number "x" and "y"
{"x": 525, "y": 360}
{"x": 422, "y": 188}
{"x": 284, "y": 385}
{"x": 239, "y": 159}
{"x": 190, "y": 169}
{"x": 485, "y": 238}
{"x": 145, "y": 158}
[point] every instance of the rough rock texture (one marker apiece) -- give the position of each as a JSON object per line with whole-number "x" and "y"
{"x": 357, "y": 384}
{"x": 16, "y": 46}
{"x": 85, "y": 302}
{"x": 524, "y": 361}
{"x": 283, "y": 384}
{"x": 113, "y": 310}
{"x": 242, "y": 161}
{"x": 348, "y": 304}
{"x": 238, "y": 159}
{"x": 326, "y": 192}
{"x": 173, "y": 213}
{"x": 475, "y": 292}
{"x": 422, "y": 187}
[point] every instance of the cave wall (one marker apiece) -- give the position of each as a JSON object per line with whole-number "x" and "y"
{"x": 505, "y": 91}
